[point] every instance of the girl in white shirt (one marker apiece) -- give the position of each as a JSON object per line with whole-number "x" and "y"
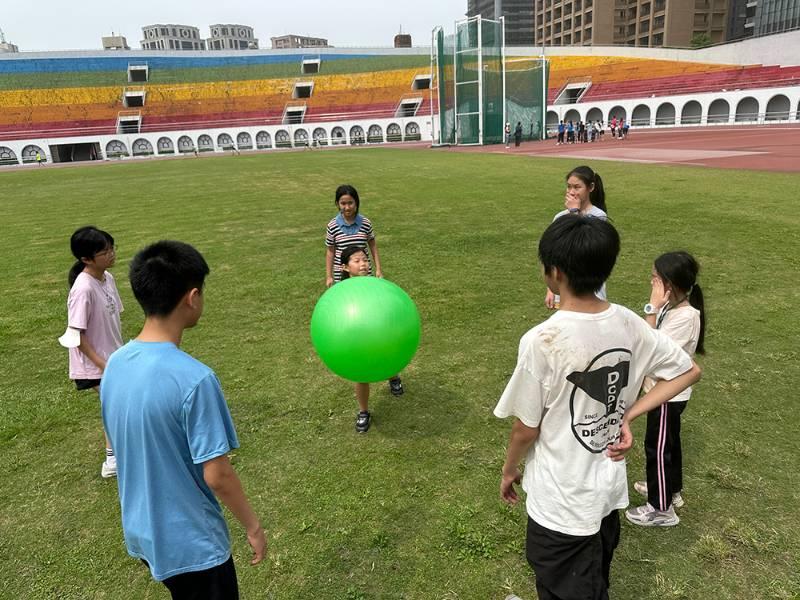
{"x": 676, "y": 308}
{"x": 585, "y": 195}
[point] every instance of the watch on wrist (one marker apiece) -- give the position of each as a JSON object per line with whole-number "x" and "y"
{"x": 574, "y": 210}
{"x": 649, "y": 309}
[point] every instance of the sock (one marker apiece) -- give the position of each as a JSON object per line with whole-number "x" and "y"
{"x": 109, "y": 452}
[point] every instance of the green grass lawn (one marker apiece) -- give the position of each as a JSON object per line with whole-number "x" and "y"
{"x": 411, "y": 510}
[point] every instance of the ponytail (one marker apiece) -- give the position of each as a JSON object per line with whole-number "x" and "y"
{"x": 76, "y": 270}
{"x": 696, "y": 300}
{"x": 598, "y": 194}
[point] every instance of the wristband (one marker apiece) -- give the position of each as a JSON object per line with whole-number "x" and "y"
{"x": 649, "y": 309}
{"x": 574, "y": 210}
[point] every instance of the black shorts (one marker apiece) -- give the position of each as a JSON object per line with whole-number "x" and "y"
{"x": 216, "y": 583}
{"x": 570, "y": 567}
{"x": 86, "y": 384}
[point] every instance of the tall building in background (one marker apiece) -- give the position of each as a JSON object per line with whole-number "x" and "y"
{"x": 519, "y": 18}
{"x": 298, "y": 41}
{"x": 172, "y": 37}
{"x": 643, "y": 23}
{"x": 775, "y": 16}
{"x": 115, "y": 42}
{"x": 226, "y": 36}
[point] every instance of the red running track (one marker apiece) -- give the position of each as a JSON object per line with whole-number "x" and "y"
{"x": 757, "y": 148}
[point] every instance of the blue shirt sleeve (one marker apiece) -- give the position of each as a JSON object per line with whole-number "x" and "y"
{"x": 209, "y": 428}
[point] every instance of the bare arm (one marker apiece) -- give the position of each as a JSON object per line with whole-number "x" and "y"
{"x": 373, "y": 248}
{"x": 520, "y": 441}
{"x": 329, "y": 255}
{"x": 90, "y": 352}
{"x": 662, "y": 392}
{"x": 224, "y": 482}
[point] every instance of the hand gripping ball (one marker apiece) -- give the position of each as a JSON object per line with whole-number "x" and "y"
{"x": 365, "y": 329}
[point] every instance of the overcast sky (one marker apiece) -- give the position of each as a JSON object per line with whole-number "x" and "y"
{"x": 59, "y": 25}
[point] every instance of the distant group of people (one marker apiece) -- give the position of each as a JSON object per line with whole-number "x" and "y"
{"x": 570, "y": 132}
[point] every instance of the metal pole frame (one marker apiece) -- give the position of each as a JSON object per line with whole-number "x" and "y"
{"x": 503, "y": 67}
{"x": 480, "y": 80}
{"x": 434, "y": 77}
{"x": 455, "y": 84}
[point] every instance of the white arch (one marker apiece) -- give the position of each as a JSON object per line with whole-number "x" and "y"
{"x": 719, "y": 111}
{"x": 572, "y": 115}
{"x": 617, "y": 111}
{"x": 778, "y": 108}
{"x": 594, "y": 114}
{"x": 691, "y": 113}
{"x": 665, "y": 114}
{"x": 747, "y": 110}
{"x": 640, "y": 117}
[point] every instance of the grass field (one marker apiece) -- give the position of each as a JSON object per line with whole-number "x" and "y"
{"x": 410, "y": 510}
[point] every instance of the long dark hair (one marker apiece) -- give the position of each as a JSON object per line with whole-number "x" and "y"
{"x": 345, "y": 258}
{"x": 85, "y": 243}
{"x": 598, "y": 195}
{"x": 681, "y": 269}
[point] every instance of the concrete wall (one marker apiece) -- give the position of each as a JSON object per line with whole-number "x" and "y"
{"x": 422, "y": 124}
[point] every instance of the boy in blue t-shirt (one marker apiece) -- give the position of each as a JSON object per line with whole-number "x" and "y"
{"x": 168, "y": 420}
{"x": 574, "y": 393}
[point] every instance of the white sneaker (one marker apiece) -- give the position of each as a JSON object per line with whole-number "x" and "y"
{"x": 677, "y": 498}
{"x": 109, "y": 468}
{"x": 648, "y": 516}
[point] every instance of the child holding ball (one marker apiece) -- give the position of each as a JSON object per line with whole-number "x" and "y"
{"x": 351, "y": 229}
{"x": 93, "y": 309}
{"x": 676, "y": 308}
{"x": 355, "y": 263}
{"x": 348, "y": 228}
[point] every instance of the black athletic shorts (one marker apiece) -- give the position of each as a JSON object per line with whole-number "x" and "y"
{"x": 570, "y": 567}
{"x": 216, "y": 583}
{"x": 86, "y": 384}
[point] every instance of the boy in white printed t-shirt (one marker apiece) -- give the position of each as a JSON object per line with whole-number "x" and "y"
{"x": 574, "y": 393}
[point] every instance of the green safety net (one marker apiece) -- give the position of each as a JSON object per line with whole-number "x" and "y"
{"x": 469, "y": 71}
{"x": 526, "y": 84}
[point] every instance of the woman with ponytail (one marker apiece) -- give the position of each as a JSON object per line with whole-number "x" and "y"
{"x": 93, "y": 309}
{"x": 585, "y": 196}
{"x": 676, "y": 308}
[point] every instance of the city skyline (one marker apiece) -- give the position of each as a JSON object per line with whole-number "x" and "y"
{"x": 347, "y": 23}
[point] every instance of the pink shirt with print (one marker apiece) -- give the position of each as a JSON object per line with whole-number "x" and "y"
{"x": 94, "y": 307}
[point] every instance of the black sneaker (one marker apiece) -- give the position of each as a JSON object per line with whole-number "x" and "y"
{"x": 396, "y": 386}
{"x": 362, "y": 421}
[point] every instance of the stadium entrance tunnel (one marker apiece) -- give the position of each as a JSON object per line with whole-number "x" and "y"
{"x": 75, "y": 152}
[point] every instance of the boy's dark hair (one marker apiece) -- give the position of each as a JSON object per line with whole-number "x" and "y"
{"x": 163, "y": 272}
{"x": 347, "y": 190}
{"x": 583, "y": 248}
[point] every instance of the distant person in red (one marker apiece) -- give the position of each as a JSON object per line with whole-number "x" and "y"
{"x": 613, "y": 125}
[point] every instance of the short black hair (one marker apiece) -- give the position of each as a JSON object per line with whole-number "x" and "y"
{"x": 163, "y": 272}
{"x": 347, "y": 190}
{"x": 345, "y": 258}
{"x": 584, "y": 248}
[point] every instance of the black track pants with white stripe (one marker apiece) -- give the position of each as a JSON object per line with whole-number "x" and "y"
{"x": 662, "y": 447}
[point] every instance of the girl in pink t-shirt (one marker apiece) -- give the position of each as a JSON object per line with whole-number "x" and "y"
{"x": 93, "y": 309}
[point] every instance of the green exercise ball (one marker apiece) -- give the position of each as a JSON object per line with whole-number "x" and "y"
{"x": 365, "y": 329}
